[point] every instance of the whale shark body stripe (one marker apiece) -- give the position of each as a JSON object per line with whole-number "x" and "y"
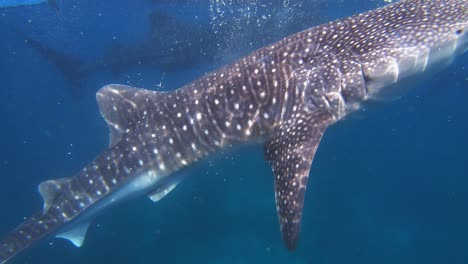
{"x": 284, "y": 95}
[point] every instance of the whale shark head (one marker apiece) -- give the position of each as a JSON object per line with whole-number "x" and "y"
{"x": 461, "y": 32}
{"x": 460, "y": 26}
{"x": 400, "y": 45}
{"x": 447, "y": 36}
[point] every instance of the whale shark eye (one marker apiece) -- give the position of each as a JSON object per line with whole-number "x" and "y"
{"x": 459, "y": 32}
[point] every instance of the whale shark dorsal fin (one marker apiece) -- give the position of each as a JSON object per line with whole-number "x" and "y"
{"x": 49, "y": 191}
{"x": 290, "y": 153}
{"x": 77, "y": 234}
{"x": 118, "y": 106}
{"x": 121, "y": 105}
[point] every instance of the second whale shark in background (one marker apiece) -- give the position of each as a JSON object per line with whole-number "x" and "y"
{"x": 169, "y": 45}
{"x": 284, "y": 96}
{"x": 172, "y": 44}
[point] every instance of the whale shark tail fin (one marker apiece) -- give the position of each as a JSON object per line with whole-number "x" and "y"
{"x": 25, "y": 235}
{"x": 72, "y": 69}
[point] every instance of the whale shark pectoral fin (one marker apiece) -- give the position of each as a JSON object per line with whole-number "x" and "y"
{"x": 76, "y": 235}
{"x": 290, "y": 154}
{"x": 49, "y": 190}
{"x": 121, "y": 105}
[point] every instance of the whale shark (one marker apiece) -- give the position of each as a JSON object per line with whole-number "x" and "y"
{"x": 284, "y": 96}
{"x": 170, "y": 45}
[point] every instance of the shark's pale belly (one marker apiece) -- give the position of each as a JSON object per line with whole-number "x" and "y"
{"x": 141, "y": 184}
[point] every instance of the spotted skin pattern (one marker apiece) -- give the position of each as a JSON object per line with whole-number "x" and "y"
{"x": 284, "y": 95}
{"x": 290, "y": 154}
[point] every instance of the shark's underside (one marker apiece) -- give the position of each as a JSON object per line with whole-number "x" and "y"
{"x": 284, "y": 95}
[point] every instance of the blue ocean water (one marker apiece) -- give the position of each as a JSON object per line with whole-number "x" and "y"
{"x": 388, "y": 185}
{"x": 14, "y": 3}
